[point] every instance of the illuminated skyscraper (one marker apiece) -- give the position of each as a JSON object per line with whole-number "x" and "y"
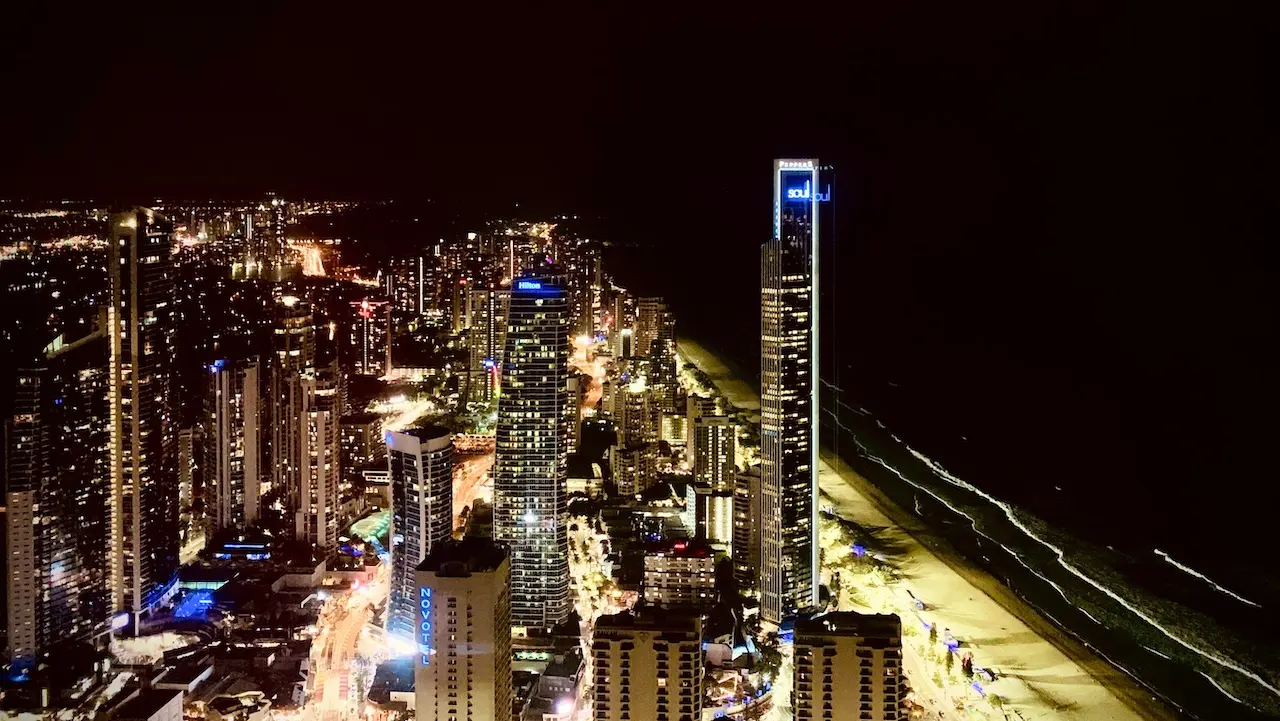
{"x": 293, "y": 355}
{"x": 530, "y": 471}
{"x": 634, "y": 459}
{"x": 407, "y": 286}
{"x": 315, "y": 499}
{"x": 421, "y": 465}
{"x": 788, "y": 400}
{"x": 488, "y": 336}
{"x": 144, "y": 503}
{"x": 232, "y": 438}
{"x": 57, "y": 481}
{"x": 371, "y": 337}
{"x": 746, "y": 529}
{"x": 713, "y": 455}
{"x": 656, "y": 340}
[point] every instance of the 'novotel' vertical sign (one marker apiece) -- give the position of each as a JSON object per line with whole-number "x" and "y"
{"x": 424, "y": 624}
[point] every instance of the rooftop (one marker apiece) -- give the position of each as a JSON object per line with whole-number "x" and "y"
{"x": 649, "y": 620}
{"x": 463, "y": 558}
{"x": 680, "y": 548}
{"x": 427, "y": 433}
{"x": 145, "y": 703}
{"x": 851, "y": 623}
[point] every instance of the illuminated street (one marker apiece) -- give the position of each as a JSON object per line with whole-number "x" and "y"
{"x": 339, "y": 661}
{"x": 596, "y": 593}
{"x": 471, "y": 480}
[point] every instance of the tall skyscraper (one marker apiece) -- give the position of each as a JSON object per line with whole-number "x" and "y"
{"x": 371, "y": 337}
{"x": 315, "y": 499}
{"x": 293, "y": 355}
{"x": 714, "y": 451}
{"x": 656, "y": 340}
{"x": 462, "y": 671}
{"x": 57, "y": 482}
{"x": 788, "y": 400}
{"x": 421, "y": 465}
{"x": 746, "y": 529}
{"x": 848, "y": 667}
{"x": 647, "y": 667}
{"x": 363, "y": 445}
{"x": 191, "y": 520}
{"x": 696, "y": 407}
{"x": 232, "y": 439}
{"x": 274, "y": 260}
{"x": 144, "y": 499}
{"x": 531, "y": 465}
{"x": 634, "y": 458}
{"x": 488, "y": 337}
{"x": 406, "y": 284}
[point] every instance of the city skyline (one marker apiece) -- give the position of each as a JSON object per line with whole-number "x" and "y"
{"x": 381, "y": 365}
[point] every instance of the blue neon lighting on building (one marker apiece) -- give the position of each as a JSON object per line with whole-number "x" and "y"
{"x": 195, "y": 605}
{"x": 424, "y": 625}
{"x": 529, "y": 285}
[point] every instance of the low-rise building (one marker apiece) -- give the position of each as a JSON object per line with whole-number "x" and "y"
{"x": 149, "y": 704}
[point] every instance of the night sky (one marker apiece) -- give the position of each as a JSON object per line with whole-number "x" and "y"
{"x": 1051, "y": 214}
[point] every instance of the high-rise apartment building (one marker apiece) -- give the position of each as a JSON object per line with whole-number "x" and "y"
{"x": 293, "y": 356}
{"x": 408, "y": 286}
{"x": 462, "y": 668}
{"x": 487, "y": 339}
{"x": 531, "y": 466}
{"x": 421, "y": 464}
{"x": 656, "y": 340}
{"x": 363, "y": 445}
{"x": 57, "y": 481}
{"x": 788, "y": 399}
{"x": 647, "y": 667}
{"x": 746, "y": 529}
{"x": 232, "y": 437}
{"x": 848, "y": 667}
{"x": 634, "y": 458}
{"x": 315, "y": 499}
{"x": 697, "y": 407}
{"x": 191, "y": 521}
{"x": 144, "y": 479}
{"x": 680, "y": 573}
{"x": 619, "y": 316}
{"x": 371, "y": 337}
{"x": 714, "y": 451}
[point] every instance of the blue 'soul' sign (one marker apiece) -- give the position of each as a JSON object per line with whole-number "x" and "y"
{"x": 806, "y": 192}
{"x": 424, "y": 625}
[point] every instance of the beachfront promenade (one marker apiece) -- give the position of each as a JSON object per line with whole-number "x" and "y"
{"x": 1045, "y": 674}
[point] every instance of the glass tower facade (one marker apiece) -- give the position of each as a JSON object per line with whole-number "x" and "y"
{"x": 788, "y": 400}
{"x": 56, "y": 485}
{"x": 530, "y": 469}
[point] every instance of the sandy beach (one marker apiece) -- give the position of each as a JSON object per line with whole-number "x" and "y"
{"x": 1045, "y": 672}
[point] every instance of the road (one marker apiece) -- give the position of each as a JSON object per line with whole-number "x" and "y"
{"x": 471, "y": 480}
{"x": 336, "y": 653}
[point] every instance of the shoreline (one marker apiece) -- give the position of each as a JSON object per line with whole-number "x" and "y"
{"x": 1051, "y": 663}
